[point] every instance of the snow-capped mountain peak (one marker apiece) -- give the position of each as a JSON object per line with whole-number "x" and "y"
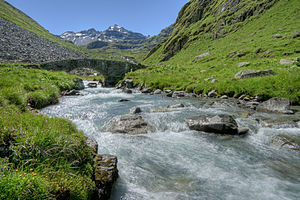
{"x": 114, "y": 33}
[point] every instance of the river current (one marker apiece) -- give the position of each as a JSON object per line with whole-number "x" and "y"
{"x": 177, "y": 163}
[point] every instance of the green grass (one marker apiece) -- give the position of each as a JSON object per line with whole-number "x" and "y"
{"x": 40, "y": 157}
{"x": 182, "y": 72}
{"x": 20, "y": 86}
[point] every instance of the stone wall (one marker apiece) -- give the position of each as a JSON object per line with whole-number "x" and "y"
{"x": 113, "y": 71}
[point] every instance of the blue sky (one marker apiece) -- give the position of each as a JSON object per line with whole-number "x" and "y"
{"x": 144, "y": 16}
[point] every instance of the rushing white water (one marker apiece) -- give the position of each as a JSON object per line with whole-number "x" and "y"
{"x": 176, "y": 163}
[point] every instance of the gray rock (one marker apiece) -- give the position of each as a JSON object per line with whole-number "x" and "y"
{"x": 168, "y": 93}
{"x": 178, "y": 105}
{"x": 158, "y": 91}
{"x": 258, "y": 98}
{"x": 224, "y": 124}
{"x": 278, "y": 105}
{"x": 203, "y": 71}
{"x": 277, "y": 36}
{"x": 242, "y": 97}
{"x": 214, "y": 81}
{"x": 71, "y": 93}
{"x": 147, "y": 90}
{"x": 252, "y": 104}
{"x": 224, "y": 97}
{"x": 129, "y": 124}
{"x": 190, "y": 95}
{"x": 127, "y": 91}
{"x": 231, "y": 54}
{"x": 202, "y": 55}
{"x": 246, "y": 99}
{"x": 240, "y": 54}
{"x": 243, "y": 64}
{"x": 208, "y": 79}
{"x": 136, "y": 110}
{"x": 254, "y": 73}
{"x": 105, "y": 174}
{"x": 243, "y": 131}
{"x": 290, "y": 142}
{"x": 212, "y": 94}
{"x": 286, "y": 62}
{"x": 123, "y": 100}
{"x": 279, "y": 123}
{"x": 178, "y": 94}
{"x": 92, "y": 85}
{"x": 267, "y": 53}
{"x": 128, "y": 83}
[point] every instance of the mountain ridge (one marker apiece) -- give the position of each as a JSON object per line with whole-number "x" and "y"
{"x": 113, "y": 33}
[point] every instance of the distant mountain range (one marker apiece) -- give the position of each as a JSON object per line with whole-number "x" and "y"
{"x": 114, "y": 33}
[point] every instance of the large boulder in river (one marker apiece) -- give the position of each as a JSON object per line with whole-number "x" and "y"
{"x": 276, "y": 104}
{"x": 129, "y": 124}
{"x": 224, "y": 124}
{"x": 106, "y": 173}
{"x": 254, "y": 73}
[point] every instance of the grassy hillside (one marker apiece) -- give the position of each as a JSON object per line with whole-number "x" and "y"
{"x": 198, "y": 31}
{"x": 40, "y": 157}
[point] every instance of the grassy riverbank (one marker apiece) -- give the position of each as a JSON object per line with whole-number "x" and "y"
{"x": 254, "y": 37}
{"x": 41, "y": 157}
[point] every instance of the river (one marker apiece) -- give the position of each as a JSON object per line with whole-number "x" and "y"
{"x": 177, "y": 163}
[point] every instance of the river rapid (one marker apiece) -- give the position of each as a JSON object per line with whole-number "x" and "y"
{"x": 177, "y": 163}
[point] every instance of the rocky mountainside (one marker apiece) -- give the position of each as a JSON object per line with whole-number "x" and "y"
{"x": 112, "y": 34}
{"x": 17, "y": 17}
{"x": 19, "y": 45}
{"x": 215, "y": 19}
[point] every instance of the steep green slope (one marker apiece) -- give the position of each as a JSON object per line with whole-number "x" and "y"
{"x": 244, "y": 26}
{"x": 40, "y": 157}
{"x": 15, "y": 16}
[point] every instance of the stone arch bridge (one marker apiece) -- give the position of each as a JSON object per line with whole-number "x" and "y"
{"x": 113, "y": 71}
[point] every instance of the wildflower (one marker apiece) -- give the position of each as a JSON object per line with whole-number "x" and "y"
{"x": 46, "y": 176}
{"x": 25, "y": 173}
{"x": 4, "y": 167}
{"x": 24, "y": 178}
{"x": 17, "y": 170}
{"x": 31, "y": 169}
{"x": 3, "y": 174}
{"x": 20, "y": 175}
{"x": 34, "y": 174}
{"x": 33, "y": 178}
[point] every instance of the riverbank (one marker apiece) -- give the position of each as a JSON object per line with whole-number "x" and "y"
{"x": 41, "y": 157}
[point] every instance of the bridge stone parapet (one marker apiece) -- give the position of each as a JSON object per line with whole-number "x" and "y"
{"x": 113, "y": 71}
